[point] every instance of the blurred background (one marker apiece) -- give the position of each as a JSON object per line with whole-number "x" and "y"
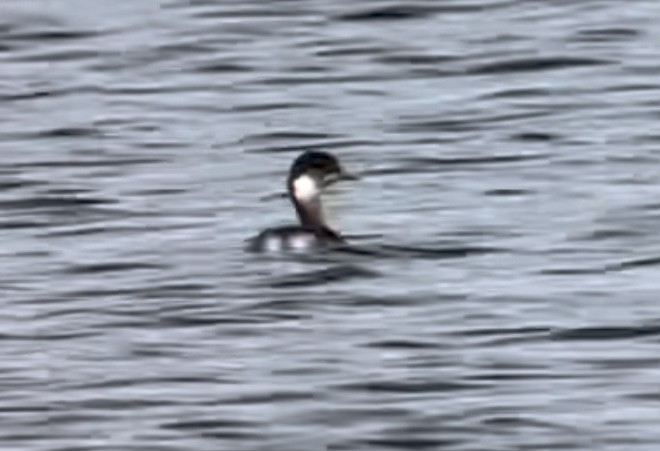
{"x": 508, "y": 153}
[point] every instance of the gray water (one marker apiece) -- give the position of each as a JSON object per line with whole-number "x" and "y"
{"x": 508, "y": 212}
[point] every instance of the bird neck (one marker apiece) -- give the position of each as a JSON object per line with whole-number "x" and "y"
{"x": 305, "y": 193}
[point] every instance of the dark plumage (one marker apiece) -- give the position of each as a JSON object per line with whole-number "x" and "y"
{"x": 309, "y": 174}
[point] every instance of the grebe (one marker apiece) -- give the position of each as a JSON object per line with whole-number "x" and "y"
{"x": 309, "y": 174}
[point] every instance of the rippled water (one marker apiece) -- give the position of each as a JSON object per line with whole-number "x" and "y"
{"x": 508, "y": 209}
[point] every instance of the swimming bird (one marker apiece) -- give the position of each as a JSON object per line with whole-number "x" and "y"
{"x": 309, "y": 174}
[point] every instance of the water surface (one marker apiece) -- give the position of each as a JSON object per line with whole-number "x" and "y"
{"x": 508, "y": 209}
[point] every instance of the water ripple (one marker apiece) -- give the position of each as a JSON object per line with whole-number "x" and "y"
{"x": 499, "y": 290}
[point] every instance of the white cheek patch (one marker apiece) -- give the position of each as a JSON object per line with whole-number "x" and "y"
{"x": 305, "y": 188}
